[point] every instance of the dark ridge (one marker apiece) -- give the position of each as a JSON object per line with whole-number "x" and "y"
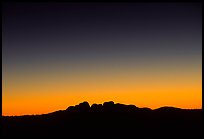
{"x": 107, "y": 120}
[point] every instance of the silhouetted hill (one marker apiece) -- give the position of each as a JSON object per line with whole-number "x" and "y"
{"x": 107, "y": 120}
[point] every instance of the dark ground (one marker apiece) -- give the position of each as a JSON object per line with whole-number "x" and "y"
{"x": 107, "y": 120}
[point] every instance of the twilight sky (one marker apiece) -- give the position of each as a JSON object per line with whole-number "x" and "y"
{"x": 60, "y": 54}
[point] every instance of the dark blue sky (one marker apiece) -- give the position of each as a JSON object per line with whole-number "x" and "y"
{"x": 65, "y": 31}
{"x": 59, "y": 54}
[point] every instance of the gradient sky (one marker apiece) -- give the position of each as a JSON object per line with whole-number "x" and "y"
{"x": 59, "y": 54}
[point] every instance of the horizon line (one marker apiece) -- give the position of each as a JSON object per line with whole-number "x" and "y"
{"x": 102, "y": 105}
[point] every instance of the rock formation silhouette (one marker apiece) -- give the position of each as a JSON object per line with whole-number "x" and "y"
{"x": 107, "y": 120}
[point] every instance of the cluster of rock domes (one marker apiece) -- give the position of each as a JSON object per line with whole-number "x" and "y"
{"x": 105, "y": 107}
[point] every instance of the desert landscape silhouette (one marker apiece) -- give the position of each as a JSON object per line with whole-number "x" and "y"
{"x": 107, "y": 120}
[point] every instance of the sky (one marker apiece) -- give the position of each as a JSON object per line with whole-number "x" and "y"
{"x": 59, "y": 54}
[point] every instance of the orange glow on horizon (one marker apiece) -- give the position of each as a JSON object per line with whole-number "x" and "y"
{"x": 34, "y": 94}
{"x": 38, "y": 105}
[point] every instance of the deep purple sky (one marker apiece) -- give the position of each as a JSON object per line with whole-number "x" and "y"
{"x": 37, "y": 33}
{"x": 63, "y": 49}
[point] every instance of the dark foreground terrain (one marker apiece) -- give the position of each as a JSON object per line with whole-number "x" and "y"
{"x": 107, "y": 120}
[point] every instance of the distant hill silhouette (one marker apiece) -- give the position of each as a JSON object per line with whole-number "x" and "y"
{"x": 107, "y": 120}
